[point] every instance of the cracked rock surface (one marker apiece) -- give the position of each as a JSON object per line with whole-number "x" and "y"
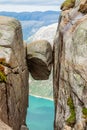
{"x": 14, "y": 87}
{"x": 70, "y": 70}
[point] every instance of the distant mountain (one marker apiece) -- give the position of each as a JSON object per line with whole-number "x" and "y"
{"x": 32, "y": 21}
{"x": 37, "y": 15}
{"x": 43, "y": 88}
{"x": 44, "y": 33}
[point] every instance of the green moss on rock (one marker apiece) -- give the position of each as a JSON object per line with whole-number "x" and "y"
{"x": 67, "y": 4}
{"x": 84, "y": 111}
{"x": 3, "y": 77}
{"x": 72, "y": 119}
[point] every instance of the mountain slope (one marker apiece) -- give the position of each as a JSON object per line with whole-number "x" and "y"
{"x": 45, "y": 33}
{"x": 37, "y": 15}
{"x": 32, "y": 21}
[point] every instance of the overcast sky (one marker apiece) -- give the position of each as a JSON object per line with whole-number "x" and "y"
{"x": 32, "y": 2}
{"x": 29, "y": 5}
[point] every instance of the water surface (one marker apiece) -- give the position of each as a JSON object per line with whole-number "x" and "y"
{"x": 40, "y": 114}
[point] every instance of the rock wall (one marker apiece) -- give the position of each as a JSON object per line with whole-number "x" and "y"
{"x": 3, "y": 126}
{"x": 70, "y": 68}
{"x": 13, "y": 74}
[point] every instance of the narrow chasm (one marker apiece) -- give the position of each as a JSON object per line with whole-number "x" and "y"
{"x": 40, "y": 114}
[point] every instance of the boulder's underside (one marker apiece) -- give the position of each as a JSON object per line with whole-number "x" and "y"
{"x": 39, "y": 59}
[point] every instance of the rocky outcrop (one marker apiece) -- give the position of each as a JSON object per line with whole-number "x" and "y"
{"x": 83, "y": 7}
{"x": 3, "y": 126}
{"x": 39, "y": 59}
{"x": 70, "y": 69}
{"x": 13, "y": 74}
{"x": 23, "y": 127}
{"x": 68, "y": 4}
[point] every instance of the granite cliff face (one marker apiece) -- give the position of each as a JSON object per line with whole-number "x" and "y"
{"x": 70, "y": 68}
{"x": 13, "y": 74}
{"x": 15, "y": 61}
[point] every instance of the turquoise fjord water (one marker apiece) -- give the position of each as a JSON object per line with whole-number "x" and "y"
{"x": 40, "y": 114}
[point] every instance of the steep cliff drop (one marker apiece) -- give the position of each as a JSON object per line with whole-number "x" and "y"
{"x": 13, "y": 75}
{"x": 70, "y": 67}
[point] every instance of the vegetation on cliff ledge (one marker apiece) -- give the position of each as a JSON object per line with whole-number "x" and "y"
{"x": 84, "y": 111}
{"x": 3, "y": 76}
{"x": 72, "y": 119}
{"x": 83, "y": 8}
{"x": 68, "y": 4}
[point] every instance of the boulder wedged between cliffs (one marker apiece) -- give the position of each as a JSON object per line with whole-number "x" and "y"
{"x": 39, "y": 59}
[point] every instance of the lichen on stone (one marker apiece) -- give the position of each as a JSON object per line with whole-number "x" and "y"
{"x": 72, "y": 118}
{"x": 3, "y": 76}
{"x": 84, "y": 111}
{"x": 3, "y": 62}
{"x": 83, "y": 8}
{"x": 13, "y": 24}
{"x": 68, "y": 4}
